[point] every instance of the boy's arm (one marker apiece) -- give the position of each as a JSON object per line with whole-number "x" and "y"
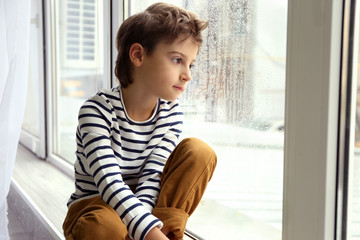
{"x": 95, "y": 124}
{"x": 156, "y": 234}
{"x": 148, "y": 188}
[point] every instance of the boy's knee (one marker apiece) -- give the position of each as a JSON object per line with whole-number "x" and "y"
{"x": 201, "y": 152}
{"x": 99, "y": 226}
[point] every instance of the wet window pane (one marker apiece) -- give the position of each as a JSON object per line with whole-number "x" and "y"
{"x": 235, "y": 102}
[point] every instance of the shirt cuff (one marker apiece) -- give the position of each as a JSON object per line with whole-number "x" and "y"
{"x": 141, "y": 225}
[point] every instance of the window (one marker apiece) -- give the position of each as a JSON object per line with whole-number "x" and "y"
{"x": 222, "y": 112}
{"x": 79, "y": 67}
{"x": 355, "y": 165}
{"x": 235, "y": 103}
{"x": 351, "y": 158}
{"x": 33, "y": 127}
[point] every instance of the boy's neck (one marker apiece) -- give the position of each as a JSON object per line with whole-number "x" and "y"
{"x": 138, "y": 105}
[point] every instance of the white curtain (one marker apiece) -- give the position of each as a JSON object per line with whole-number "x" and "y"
{"x": 14, "y": 58}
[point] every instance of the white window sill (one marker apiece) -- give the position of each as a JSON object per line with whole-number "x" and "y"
{"x": 46, "y": 190}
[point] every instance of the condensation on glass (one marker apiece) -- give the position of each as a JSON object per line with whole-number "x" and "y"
{"x": 79, "y": 66}
{"x": 235, "y": 102}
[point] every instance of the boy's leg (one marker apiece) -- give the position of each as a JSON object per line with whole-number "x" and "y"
{"x": 93, "y": 219}
{"x": 183, "y": 182}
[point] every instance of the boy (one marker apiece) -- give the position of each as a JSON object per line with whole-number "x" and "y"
{"x": 132, "y": 180}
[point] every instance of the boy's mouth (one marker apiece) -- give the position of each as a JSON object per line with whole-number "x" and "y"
{"x": 179, "y": 88}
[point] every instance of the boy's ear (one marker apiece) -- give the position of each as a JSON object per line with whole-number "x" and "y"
{"x": 136, "y": 54}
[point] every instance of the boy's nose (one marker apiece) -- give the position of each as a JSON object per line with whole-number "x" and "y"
{"x": 186, "y": 75}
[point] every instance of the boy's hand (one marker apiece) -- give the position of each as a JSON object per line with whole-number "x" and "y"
{"x": 156, "y": 234}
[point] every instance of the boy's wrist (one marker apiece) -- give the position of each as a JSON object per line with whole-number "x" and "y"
{"x": 156, "y": 234}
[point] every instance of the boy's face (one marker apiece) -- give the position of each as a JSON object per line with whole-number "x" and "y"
{"x": 165, "y": 73}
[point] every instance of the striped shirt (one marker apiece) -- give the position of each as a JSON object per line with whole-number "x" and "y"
{"x": 115, "y": 152}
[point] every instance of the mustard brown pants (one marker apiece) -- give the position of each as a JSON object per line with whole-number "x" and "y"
{"x": 183, "y": 182}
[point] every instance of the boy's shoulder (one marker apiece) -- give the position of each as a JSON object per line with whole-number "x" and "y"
{"x": 105, "y": 99}
{"x": 113, "y": 94}
{"x": 169, "y": 106}
{"x": 169, "y": 111}
{"x": 105, "y": 96}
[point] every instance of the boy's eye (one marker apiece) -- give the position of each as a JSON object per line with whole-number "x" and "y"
{"x": 191, "y": 66}
{"x": 177, "y": 60}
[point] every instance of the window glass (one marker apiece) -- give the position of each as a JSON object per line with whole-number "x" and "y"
{"x": 235, "y": 102}
{"x": 354, "y": 193}
{"x": 32, "y": 116}
{"x": 79, "y": 66}
{"x": 33, "y": 125}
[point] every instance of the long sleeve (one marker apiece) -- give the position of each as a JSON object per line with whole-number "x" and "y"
{"x": 95, "y": 124}
{"x": 148, "y": 188}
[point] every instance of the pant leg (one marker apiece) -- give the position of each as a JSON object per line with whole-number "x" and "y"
{"x": 183, "y": 182}
{"x": 93, "y": 219}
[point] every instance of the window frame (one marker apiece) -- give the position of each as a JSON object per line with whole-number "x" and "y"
{"x": 347, "y": 118}
{"x": 118, "y": 13}
{"x": 311, "y": 121}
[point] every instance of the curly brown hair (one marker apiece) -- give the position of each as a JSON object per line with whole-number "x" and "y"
{"x": 159, "y": 22}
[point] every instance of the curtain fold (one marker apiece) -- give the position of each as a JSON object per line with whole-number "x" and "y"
{"x": 14, "y": 59}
